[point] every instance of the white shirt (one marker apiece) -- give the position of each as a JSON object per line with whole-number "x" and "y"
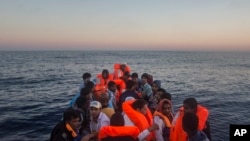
{"x": 102, "y": 120}
{"x": 142, "y": 136}
{"x": 161, "y": 124}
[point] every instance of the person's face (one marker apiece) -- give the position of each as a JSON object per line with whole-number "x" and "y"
{"x": 105, "y": 75}
{"x": 86, "y": 80}
{"x": 154, "y": 87}
{"x": 143, "y": 110}
{"x": 95, "y": 112}
{"x": 166, "y": 109}
{"x": 135, "y": 79}
{"x": 158, "y": 95}
{"x": 75, "y": 123}
{"x": 188, "y": 109}
{"x": 112, "y": 88}
{"x": 144, "y": 80}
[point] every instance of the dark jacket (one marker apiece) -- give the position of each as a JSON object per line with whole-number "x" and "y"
{"x": 60, "y": 133}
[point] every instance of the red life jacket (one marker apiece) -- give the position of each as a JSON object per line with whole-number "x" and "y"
{"x": 177, "y": 133}
{"x": 118, "y": 72}
{"x": 141, "y": 121}
{"x": 115, "y": 131}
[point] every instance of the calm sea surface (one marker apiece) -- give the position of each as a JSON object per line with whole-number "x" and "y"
{"x": 35, "y": 87}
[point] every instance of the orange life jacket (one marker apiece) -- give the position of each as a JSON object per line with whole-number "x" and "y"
{"x": 99, "y": 90}
{"x": 118, "y": 72}
{"x": 114, "y": 131}
{"x": 141, "y": 121}
{"x": 165, "y": 119}
{"x": 177, "y": 133}
{"x": 122, "y": 85}
{"x": 102, "y": 82}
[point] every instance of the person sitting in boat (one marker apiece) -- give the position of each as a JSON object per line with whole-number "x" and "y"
{"x": 120, "y": 69}
{"x": 152, "y": 101}
{"x": 162, "y": 94}
{"x": 189, "y": 106}
{"x": 103, "y": 78}
{"x": 146, "y": 88}
{"x": 82, "y": 104}
{"x": 86, "y": 91}
{"x": 117, "y": 131}
{"x": 104, "y": 100}
{"x": 98, "y": 120}
{"x": 113, "y": 95}
{"x": 190, "y": 126}
{"x": 163, "y": 116}
{"x": 130, "y": 92}
{"x": 136, "y": 113}
{"x": 68, "y": 129}
{"x": 86, "y": 77}
{"x": 135, "y": 78}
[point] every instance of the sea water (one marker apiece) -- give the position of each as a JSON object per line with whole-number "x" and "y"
{"x": 36, "y": 86}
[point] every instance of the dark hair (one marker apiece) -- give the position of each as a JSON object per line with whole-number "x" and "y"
{"x": 105, "y": 71}
{"x": 84, "y": 91}
{"x": 90, "y": 85}
{"x": 81, "y": 102}
{"x": 71, "y": 113}
{"x": 130, "y": 84}
{"x": 191, "y": 102}
{"x": 166, "y": 95}
{"x": 86, "y": 75}
{"x": 139, "y": 103}
{"x": 161, "y": 90}
{"x": 126, "y": 73}
{"x": 111, "y": 83}
{"x": 134, "y": 75}
{"x": 117, "y": 119}
{"x": 190, "y": 122}
{"x": 145, "y": 75}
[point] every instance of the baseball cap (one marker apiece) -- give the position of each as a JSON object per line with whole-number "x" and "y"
{"x": 96, "y": 104}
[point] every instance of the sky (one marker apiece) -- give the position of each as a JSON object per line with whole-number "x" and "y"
{"x": 183, "y": 25}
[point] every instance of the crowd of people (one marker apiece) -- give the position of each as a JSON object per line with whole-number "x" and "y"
{"x": 121, "y": 106}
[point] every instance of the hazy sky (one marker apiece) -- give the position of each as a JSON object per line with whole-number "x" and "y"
{"x": 125, "y": 24}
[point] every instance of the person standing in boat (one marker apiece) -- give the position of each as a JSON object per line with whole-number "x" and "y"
{"x": 103, "y": 78}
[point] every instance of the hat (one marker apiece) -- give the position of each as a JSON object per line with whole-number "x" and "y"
{"x": 96, "y": 104}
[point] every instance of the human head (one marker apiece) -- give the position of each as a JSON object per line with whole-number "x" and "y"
{"x": 130, "y": 85}
{"x": 112, "y": 86}
{"x": 159, "y": 94}
{"x": 190, "y": 105}
{"x": 165, "y": 107}
{"x": 104, "y": 99}
{"x": 117, "y": 119}
{"x": 73, "y": 118}
{"x": 123, "y": 67}
{"x": 85, "y": 92}
{"x": 144, "y": 78}
{"x": 134, "y": 77}
{"x": 140, "y": 105}
{"x": 86, "y": 77}
{"x": 95, "y": 108}
{"x": 82, "y": 103}
{"x": 105, "y": 73}
{"x": 190, "y": 123}
{"x": 90, "y": 85}
{"x": 156, "y": 85}
{"x": 126, "y": 75}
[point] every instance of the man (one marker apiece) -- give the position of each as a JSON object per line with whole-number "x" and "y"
{"x": 67, "y": 130}
{"x": 146, "y": 88}
{"x": 189, "y": 106}
{"x": 104, "y": 78}
{"x": 85, "y": 78}
{"x": 136, "y": 113}
{"x": 98, "y": 120}
{"x": 190, "y": 126}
